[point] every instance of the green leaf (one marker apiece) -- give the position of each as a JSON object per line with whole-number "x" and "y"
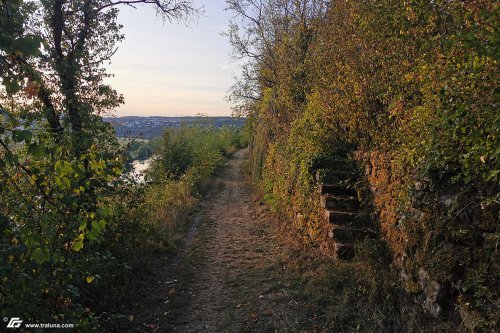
{"x": 40, "y": 255}
{"x": 11, "y": 86}
{"x": 22, "y": 135}
{"x": 63, "y": 168}
{"x": 27, "y": 45}
{"x": 11, "y": 159}
{"x": 107, "y": 211}
{"x": 99, "y": 226}
{"x": 33, "y": 240}
{"x": 63, "y": 182}
{"x": 93, "y": 234}
{"x": 36, "y": 150}
{"x": 7, "y": 116}
{"x": 78, "y": 243}
{"x": 5, "y": 41}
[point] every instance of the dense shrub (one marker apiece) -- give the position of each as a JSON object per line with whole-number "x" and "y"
{"x": 67, "y": 216}
{"x": 413, "y": 82}
{"x": 185, "y": 159}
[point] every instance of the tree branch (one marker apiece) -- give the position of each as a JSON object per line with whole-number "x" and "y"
{"x": 169, "y": 9}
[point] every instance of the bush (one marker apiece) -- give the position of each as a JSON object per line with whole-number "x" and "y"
{"x": 411, "y": 81}
{"x": 185, "y": 159}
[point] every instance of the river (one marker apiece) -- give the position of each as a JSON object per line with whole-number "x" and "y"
{"x": 138, "y": 169}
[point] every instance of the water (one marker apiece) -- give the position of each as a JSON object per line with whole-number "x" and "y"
{"x": 138, "y": 169}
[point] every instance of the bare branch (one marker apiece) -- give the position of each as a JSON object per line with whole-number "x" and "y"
{"x": 178, "y": 10}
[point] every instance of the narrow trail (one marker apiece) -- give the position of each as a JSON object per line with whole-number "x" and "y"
{"x": 229, "y": 277}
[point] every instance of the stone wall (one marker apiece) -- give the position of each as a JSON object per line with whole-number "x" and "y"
{"x": 444, "y": 241}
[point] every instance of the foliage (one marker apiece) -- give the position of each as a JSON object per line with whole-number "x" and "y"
{"x": 55, "y": 208}
{"x": 140, "y": 149}
{"x": 65, "y": 210}
{"x": 185, "y": 158}
{"x": 414, "y": 81}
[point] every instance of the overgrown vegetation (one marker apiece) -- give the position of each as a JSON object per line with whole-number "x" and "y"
{"x": 157, "y": 220}
{"x": 68, "y": 219}
{"x": 140, "y": 149}
{"x": 409, "y": 89}
{"x": 186, "y": 158}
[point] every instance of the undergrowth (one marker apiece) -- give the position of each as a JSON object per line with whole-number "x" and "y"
{"x": 359, "y": 296}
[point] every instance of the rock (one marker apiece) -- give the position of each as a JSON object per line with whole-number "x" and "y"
{"x": 448, "y": 202}
{"x": 435, "y": 294}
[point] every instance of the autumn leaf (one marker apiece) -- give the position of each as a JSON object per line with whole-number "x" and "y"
{"x": 31, "y": 89}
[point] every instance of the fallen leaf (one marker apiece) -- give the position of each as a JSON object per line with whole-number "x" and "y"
{"x": 253, "y": 316}
{"x": 240, "y": 305}
{"x": 171, "y": 292}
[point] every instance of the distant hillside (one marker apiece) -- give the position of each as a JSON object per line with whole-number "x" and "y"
{"x": 150, "y": 127}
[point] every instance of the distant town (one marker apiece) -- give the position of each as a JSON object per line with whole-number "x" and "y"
{"x": 151, "y": 127}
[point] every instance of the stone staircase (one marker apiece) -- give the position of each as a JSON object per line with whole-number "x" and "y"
{"x": 350, "y": 222}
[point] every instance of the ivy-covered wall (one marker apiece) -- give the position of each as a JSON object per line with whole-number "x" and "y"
{"x": 409, "y": 89}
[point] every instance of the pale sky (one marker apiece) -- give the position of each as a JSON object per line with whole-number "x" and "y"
{"x": 168, "y": 69}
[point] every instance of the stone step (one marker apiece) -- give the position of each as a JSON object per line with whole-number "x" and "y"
{"x": 329, "y": 176}
{"x": 343, "y": 251}
{"x": 346, "y": 218}
{"x": 332, "y": 202}
{"x": 337, "y": 190}
{"x": 349, "y": 235}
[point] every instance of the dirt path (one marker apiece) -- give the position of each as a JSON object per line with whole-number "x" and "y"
{"x": 241, "y": 271}
{"x": 228, "y": 280}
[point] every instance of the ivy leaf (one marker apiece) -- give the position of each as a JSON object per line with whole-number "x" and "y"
{"x": 40, "y": 255}
{"x": 93, "y": 234}
{"x": 33, "y": 240}
{"x": 107, "y": 211}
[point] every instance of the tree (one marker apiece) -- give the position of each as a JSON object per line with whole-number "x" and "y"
{"x": 67, "y": 75}
{"x": 60, "y": 166}
{"x": 260, "y": 35}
